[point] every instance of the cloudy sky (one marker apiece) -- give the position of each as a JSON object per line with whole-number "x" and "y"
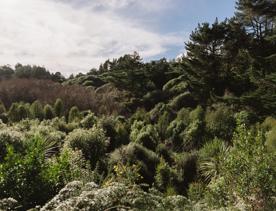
{"x": 74, "y": 36}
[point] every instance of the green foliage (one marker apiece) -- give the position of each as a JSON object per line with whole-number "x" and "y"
{"x": 145, "y": 135}
{"x": 220, "y": 122}
{"x": 115, "y": 130}
{"x": 134, "y": 153}
{"x": 210, "y": 159}
{"x": 88, "y": 121}
{"x": 48, "y": 112}
{"x": 250, "y": 179}
{"x": 2, "y": 108}
{"x": 13, "y": 116}
{"x": 18, "y": 111}
{"x": 21, "y": 176}
{"x": 126, "y": 174}
{"x": 164, "y": 176}
{"x": 4, "y": 118}
{"x": 24, "y": 174}
{"x": 10, "y": 138}
{"x": 91, "y": 142}
{"x": 68, "y": 166}
{"x": 36, "y": 110}
{"x": 186, "y": 171}
{"x": 74, "y": 114}
{"x": 176, "y": 85}
{"x": 271, "y": 139}
{"x": 173, "y": 126}
{"x": 59, "y": 107}
{"x": 196, "y": 191}
{"x": 183, "y": 100}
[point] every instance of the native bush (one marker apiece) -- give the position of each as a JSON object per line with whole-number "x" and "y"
{"x": 164, "y": 152}
{"x": 88, "y": 121}
{"x": 163, "y": 123}
{"x": 4, "y": 118}
{"x": 21, "y": 175}
{"x": 59, "y": 108}
{"x": 183, "y": 100}
{"x": 210, "y": 157}
{"x": 2, "y": 108}
{"x": 196, "y": 191}
{"x": 74, "y": 114}
{"x": 115, "y": 130}
{"x": 13, "y": 112}
{"x": 48, "y": 112}
{"x": 134, "y": 153}
{"x": 91, "y": 142}
{"x": 186, "y": 171}
{"x": 250, "y": 180}
{"x": 271, "y": 139}
{"x": 164, "y": 176}
{"x": 10, "y": 138}
{"x": 36, "y": 110}
{"x": 25, "y": 173}
{"x": 220, "y": 122}
{"x": 145, "y": 135}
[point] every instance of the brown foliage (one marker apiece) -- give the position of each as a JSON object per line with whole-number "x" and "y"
{"x": 47, "y": 91}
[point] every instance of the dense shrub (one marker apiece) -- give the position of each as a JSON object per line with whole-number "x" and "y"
{"x": 165, "y": 152}
{"x": 164, "y": 176}
{"x": 48, "y": 112}
{"x": 186, "y": 171}
{"x": 220, "y": 122}
{"x": 10, "y": 138}
{"x": 115, "y": 130}
{"x": 133, "y": 153}
{"x": 74, "y": 114}
{"x": 196, "y": 191}
{"x": 157, "y": 111}
{"x": 23, "y": 175}
{"x": 176, "y": 86}
{"x": 23, "y": 112}
{"x": 46, "y": 91}
{"x": 163, "y": 123}
{"x": 59, "y": 107}
{"x": 88, "y": 121}
{"x": 271, "y": 139}
{"x": 13, "y": 112}
{"x": 210, "y": 159}
{"x": 249, "y": 180}
{"x": 183, "y": 100}
{"x": 117, "y": 196}
{"x": 4, "y": 118}
{"x": 145, "y": 135}
{"x": 2, "y": 108}
{"x": 91, "y": 142}
{"x": 36, "y": 110}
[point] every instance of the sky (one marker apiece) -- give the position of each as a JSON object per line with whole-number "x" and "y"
{"x": 72, "y": 36}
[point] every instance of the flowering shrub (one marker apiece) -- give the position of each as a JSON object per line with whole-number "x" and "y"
{"x": 116, "y": 196}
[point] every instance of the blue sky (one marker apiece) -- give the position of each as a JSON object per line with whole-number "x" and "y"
{"x": 73, "y": 36}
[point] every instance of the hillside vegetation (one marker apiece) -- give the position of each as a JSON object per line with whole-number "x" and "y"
{"x": 195, "y": 133}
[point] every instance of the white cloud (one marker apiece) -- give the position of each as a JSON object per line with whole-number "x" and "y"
{"x": 67, "y": 38}
{"x": 153, "y": 5}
